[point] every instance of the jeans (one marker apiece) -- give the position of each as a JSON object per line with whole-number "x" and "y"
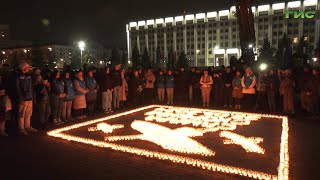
{"x": 190, "y": 95}
{"x": 161, "y": 94}
{"x": 66, "y": 110}
{"x": 57, "y": 108}
{"x": 106, "y": 100}
{"x": 228, "y": 95}
{"x": 170, "y": 95}
{"x": 272, "y": 101}
{"x": 116, "y": 97}
{"x": 44, "y": 110}
{"x": 25, "y": 113}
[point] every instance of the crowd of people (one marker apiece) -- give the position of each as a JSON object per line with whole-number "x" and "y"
{"x": 34, "y": 98}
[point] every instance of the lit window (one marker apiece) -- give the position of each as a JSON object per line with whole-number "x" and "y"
{"x": 295, "y": 40}
{"x": 306, "y": 38}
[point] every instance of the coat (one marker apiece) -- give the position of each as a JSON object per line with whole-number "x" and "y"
{"x": 287, "y": 85}
{"x": 123, "y": 90}
{"x": 150, "y": 79}
{"x": 206, "y": 81}
{"x": 237, "y": 89}
{"x": 248, "y": 89}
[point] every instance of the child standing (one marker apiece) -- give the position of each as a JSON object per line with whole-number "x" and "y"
{"x": 237, "y": 90}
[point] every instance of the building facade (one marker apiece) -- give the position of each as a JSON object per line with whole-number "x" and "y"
{"x": 212, "y": 38}
{"x": 51, "y": 54}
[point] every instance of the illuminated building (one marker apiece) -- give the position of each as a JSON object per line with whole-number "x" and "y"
{"x": 212, "y": 38}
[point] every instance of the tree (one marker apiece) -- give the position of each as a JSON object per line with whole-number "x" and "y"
{"x": 170, "y": 63}
{"x": 136, "y": 61}
{"x": 302, "y": 51}
{"x": 115, "y": 57}
{"x": 182, "y": 60}
{"x": 158, "y": 58}
{"x": 317, "y": 50}
{"x": 284, "y": 53}
{"x": 266, "y": 52}
{"x": 145, "y": 59}
{"x": 124, "y": 59}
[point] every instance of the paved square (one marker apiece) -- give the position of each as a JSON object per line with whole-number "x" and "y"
{"x": 243, "y": 144}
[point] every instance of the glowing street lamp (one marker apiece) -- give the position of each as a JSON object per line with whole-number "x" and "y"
{"x": 263, "y": 66}
{"x": 250, "y": 45}
{"x": 81, "y": 45}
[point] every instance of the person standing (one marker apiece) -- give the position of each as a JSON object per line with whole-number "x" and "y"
{"x": 237, "y": 89}
{"x": 67, "y": 102}
{"x": 227, "y": 92}
{"x": 135, "y": 87}
{"x": 79, "y": 104}
{"x": 218, "y": 87}
{"x": 170, "y": 87}
{"x": 91, "y": 96}
{"x": 42, "y": 99}
{"x": 287, "y": 85}
{"x": 57, "y": 95}
{"x": 261, "y": 89}
{"x": 117, "y": 82}
{"x": 124, "y": 89}
{"x": 314, "y": 92}
{"x": 161, "y": 86}
{"x": 106, "y": 88}
{"x": 192, "y": 79}
{"x": 303, "y": 81}
{"x": 248, "y": 84}
{"x": 5, "y": 108}
{"x": 148, "y": 90}
{"x": 25, "y": 98}
{"x": 181, "y": 86}
{"x": 272, "y": 89}
{"x": 206, "y": 86}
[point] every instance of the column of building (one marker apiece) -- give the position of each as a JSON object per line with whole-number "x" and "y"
{"x": 206, "y": 43}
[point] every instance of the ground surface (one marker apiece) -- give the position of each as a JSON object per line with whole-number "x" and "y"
{"x": 42, "y": 157}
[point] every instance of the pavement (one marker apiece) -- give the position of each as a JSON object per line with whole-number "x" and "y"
{"x": 42, "y": 157}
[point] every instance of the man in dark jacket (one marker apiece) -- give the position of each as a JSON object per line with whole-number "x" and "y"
{"x": 227, "y": 92}
{"x": 191, "y": 81}
{"x": 25, "y": 98}
{"x": 181, "y": 86}
{"x": 135, "y": 88}
{"x": 106, "y": 88}
{"x": 273, "y": 85}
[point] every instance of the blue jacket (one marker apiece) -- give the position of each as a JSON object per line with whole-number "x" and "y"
{"x": 161, "y": 80}
{"x": 170, "y": 81}
{"x": 82, "y": 84}
{"x": 24, "y": 88}
{"x": 248, "y": 80}
{"x": 69, "y": 90}
{"x": 91, "y": 83}
{"x": 58, "y": 87}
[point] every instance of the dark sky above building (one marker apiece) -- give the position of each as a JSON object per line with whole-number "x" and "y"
{"x": 103, "y": 21}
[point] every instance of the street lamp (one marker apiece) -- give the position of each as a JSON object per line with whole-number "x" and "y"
{"x": 250, "y": 45}
{"x": 81, "y": 45}
{"x": 263, "y": 66}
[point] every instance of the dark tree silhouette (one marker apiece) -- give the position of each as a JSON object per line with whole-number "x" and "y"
{"x": 145, "y": 59}
{"x": 136, "y": 59}
{"x": 115, "y": 56}
{"x": 182, "y": 60}
{"x": 266, "y": 52}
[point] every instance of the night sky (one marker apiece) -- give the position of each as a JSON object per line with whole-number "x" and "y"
{"x": 101, "y": 21}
